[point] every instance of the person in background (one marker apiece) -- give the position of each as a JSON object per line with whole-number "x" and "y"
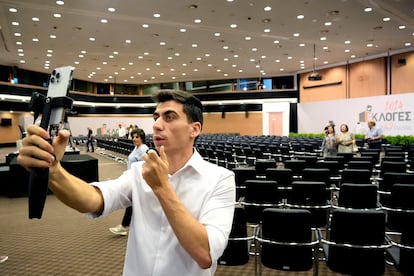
{"x": 183, "y": 206}
{"x": 374, "y": 135}
{"x": 329, "y": 146}
{"x": 89, "y": 140}
{"x": 138, "y": 138}
{"x": 121, "y": 131}
{"x": 345, "y": 140}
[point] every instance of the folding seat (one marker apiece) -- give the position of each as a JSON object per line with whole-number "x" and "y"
{"x": 355, "y": 242}
{"x": 286, "y": 241}
{"x": 241, "y": 175}
{"x": 237, "y": 250}
{"x": 402, "y": 252}
{"x": 400, "y": 207}
{"x": 263, "y": 164}
{"x": 260, "y": 194}
{"x": 356, "y": 176}
{"x": 296, "y": 166}
{"x": 310, "y": 195}
{"x": 358, "y": 196}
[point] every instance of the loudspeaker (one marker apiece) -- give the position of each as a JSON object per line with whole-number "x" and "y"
{"x": 402, "y": 61}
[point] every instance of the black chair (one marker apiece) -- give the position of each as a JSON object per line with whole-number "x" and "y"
{"x": 263, "y": 164}
{"x": 355, "y": 242}
{"x": 347, "y": 156}
{"x": 400, "y": 208}
{"x": 358, "y": 164}
{"x": 389, "y": 166}
{"x": 237, "y": 250}
{"x": 286, "y": 241}
{"x": 241, "y": 174}
{"x": 296, "y": 166}
{"x": 339, "y": 159}
{"x": 374, "y": 153}
{"x": 283, "y": 177}
{"x": 356, "y": 176}
{"x": 260, "y": 194}
{"x": 402, "y": 252}
{"x": 334, "y": 168}
{"x": 310, "y": 195}
{"x": 388, "y": 181}
{"x": 358, "y": 196}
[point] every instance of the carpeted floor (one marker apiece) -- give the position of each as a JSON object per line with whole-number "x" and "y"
{"x": 64, "y": 242}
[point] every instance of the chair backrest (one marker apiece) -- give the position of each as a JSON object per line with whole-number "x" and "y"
{"x": 340, "y": 159}
{"x": 283, "y": 176}
{"x": 317, "y": 174}
{"x": 262, "y": 164}
{"x": 295, "y": 165}
{"x": 356, "y": 228}
{"x": 406, "y": 266}
{"x": 310, "y": 195}
{"x": 237, "y": 250}
{"x": 391, "y": 178}
{"x": 358, "y": 196}
{"x": 260, "y": 194}
{"x": 401, "y": 213}
{"x": 392, "y": 166}
{"x": 358, "y": 164}
{"x": 333, "y": 166}
{"x": 347, "y": 156}
{"x": 356, "y": 176}
{"x": 286, "y": 226}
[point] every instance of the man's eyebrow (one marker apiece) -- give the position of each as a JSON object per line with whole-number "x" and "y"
{"x": 167, "y": 112}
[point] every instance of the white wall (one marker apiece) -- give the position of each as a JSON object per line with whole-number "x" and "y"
{"x": 393, "y": 113}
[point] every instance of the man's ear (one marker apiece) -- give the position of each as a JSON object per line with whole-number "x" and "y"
{"x": 196, "y": 129}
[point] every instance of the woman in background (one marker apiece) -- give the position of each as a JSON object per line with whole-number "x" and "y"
{"x": 138, "y": 138}
{"x": 329, "y": 146}
{"x": 345, "y": 140}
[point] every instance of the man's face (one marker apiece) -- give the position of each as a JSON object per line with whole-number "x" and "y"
{"x": 171, "y": 127}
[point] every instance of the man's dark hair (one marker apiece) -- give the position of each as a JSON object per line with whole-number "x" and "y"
{"x": 140, "y": 133}
{"x": 191, "y": 105}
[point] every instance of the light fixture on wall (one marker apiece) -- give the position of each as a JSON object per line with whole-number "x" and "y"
{"x": 314, "y": 76}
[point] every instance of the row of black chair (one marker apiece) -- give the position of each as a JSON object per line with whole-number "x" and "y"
{"x": 355, "y": 242}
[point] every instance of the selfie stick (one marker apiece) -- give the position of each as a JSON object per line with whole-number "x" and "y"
{"x": 52, "y": 107}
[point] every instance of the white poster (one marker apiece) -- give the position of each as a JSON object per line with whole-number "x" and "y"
{"x": 392, "y": 113}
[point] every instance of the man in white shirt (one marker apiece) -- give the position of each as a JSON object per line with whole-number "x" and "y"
{"x": 121, "y": 131}
{"x": 182, "y": 205}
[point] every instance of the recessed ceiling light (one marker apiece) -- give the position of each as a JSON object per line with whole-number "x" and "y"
{"x": 401, "y": 27}
{"x": 91, "y": 39}
{"x": 57, "y": 15}
{"x": 60, "y": 3}
{"x": 386, "y": 19}
{"x": 267, "y": 8}
{"x": 35, "y": 39}
{"x": 300, "y": 16}
{"x": 17, "y": 34}
{"x": 145, "y": 26}
{"x": 328, "y": 23}
{"x": 197, "y": 21}
{"x": 217, "y": 34}
{"x": 233, "y": 26}
{"x": 52, "y": 36}
{"x": 156, "y": 15}
{"x": 35, "y": 19}
{"x": 14, "y": 23}
{"x": 368, "y": 9}
{"x": 104, "y": 21}
{"x": 12, "y": 10}
{"x": 111, "y": 9}
{"x": 182, "y": 30}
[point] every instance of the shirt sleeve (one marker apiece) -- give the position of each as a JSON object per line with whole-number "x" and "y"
{"x": 116, "y": 193}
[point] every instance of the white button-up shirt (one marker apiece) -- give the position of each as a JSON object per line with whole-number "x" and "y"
{"x": 208, "y": 193}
